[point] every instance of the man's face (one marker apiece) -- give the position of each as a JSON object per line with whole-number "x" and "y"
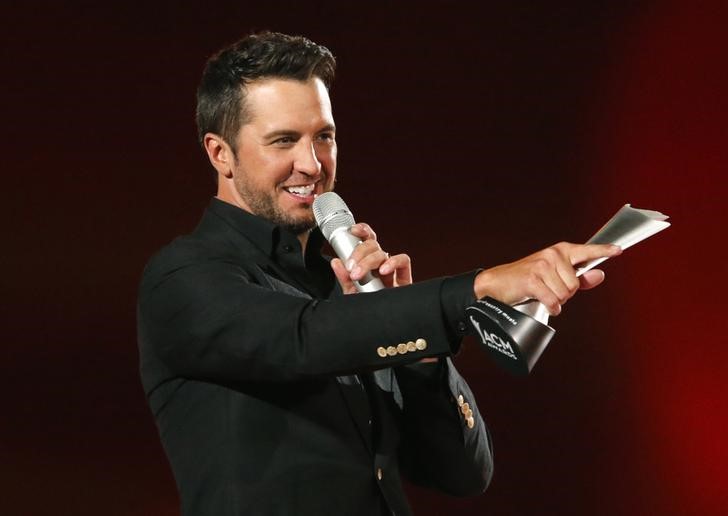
{"x": 286, "y": 153}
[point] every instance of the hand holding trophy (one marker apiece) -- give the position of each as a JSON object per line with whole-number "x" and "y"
{"x": 516, "y": 336}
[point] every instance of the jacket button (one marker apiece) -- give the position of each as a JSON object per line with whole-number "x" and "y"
{"x": 470, "y": 421}
{"x": 421, "y": 344}
{"x": 411, "y": 346}
{"x": 402, "y": 348}
{"x": 381, "y": 352}
{"x": 379, "y": 473}
{"x": 461, "y": 400}
{"x": 391, "y": 351}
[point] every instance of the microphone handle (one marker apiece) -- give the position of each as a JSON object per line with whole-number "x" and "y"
{"x": 344, "y": 243}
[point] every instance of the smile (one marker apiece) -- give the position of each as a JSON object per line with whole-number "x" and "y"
{"x": 301, "y": 191}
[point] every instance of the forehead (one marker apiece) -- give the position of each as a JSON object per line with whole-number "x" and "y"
{"x": 287, "y": 101}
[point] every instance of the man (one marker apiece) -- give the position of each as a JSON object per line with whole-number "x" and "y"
{"x": 273, "y": 393}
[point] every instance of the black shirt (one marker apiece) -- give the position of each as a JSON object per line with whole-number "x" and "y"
{"x": 251, "y": 363}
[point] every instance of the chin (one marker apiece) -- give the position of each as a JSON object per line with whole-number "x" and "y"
{"x": 299, "y": 227}
{"x": 297, "y": 223}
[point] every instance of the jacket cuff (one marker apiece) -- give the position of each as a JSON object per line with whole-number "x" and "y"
{"x": 456, "y": 294}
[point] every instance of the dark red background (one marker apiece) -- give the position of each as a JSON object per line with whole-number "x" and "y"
{"x": 468, "y": 136}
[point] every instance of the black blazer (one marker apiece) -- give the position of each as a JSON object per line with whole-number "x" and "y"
{"x": 271, "y": 402}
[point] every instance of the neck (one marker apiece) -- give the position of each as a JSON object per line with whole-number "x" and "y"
{"x": 303, "y": 238}
{"x": 230, "y": 196}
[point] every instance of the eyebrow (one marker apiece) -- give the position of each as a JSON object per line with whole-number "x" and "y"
{"x": 281, "y": 132}
{"x": 327, "y": 128}
{"x": 287, "y": 132}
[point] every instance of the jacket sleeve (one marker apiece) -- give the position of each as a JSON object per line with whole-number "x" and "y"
{"x": 210, "y": 320}
{"x": 442, "y": 447}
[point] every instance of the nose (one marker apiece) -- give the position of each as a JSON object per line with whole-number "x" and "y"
{"x": 306, "y": 160}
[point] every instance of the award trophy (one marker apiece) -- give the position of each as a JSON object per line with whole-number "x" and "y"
{"x": 516, "y": 336}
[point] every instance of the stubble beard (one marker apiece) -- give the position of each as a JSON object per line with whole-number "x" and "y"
{"x": 265, "y": 205}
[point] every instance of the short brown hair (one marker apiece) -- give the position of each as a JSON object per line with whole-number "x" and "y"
{"x": 221, "y": 93}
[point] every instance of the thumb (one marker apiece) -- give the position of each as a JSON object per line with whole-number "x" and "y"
{"x": 591, "y": 279}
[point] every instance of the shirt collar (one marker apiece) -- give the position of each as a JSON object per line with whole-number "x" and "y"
{"x": 264, "y": 234}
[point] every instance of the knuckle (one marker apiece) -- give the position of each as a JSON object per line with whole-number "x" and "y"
{"x": 541, "y": 265}
{"x": 532, "y": 281}
{"x": 372, "y": 246}
{"x": 368, "y": 230}
{"x": 553, "y": 253}
{"x": 553, "y": 305}
{"x": 550, "y": 252}
{"x": 573, "y": 286}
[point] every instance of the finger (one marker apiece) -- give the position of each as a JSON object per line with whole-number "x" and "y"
{"x": 587, "y": 252}
{"x": 392, "y": 263}
{"x": 342, "y": 275}
{"x": 567, "y": 274}
{"x": 370, "y": 262}
{"x": 553, "y": 268}
{"x": 541, "y": 292}
{"x": 403, "y": 275}
{"x": 397, "y": 269}
{"x": 558, "y": 287}
{"x": 360, "y": 252}
{"x": 591, "y": 279}
{"x": 363, "y": 231}
{"x": 365, "y": 257}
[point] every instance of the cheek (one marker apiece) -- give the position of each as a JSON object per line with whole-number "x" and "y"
{"x": 270, "y": 169}
{"x": 327, "y": 158}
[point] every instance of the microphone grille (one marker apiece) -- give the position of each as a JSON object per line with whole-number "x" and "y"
{"x": 331, "y": 213}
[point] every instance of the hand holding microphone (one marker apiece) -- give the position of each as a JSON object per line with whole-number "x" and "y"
{"x": 362, "y": 265}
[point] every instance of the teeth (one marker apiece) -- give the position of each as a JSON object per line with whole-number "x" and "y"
{"x": 301, "y": 190}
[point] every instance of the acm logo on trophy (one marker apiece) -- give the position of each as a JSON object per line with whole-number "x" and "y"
{"x": 516, "y": 336}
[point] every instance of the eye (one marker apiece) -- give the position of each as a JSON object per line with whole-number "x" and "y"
{"x": 284, "y": 141}
{"x": 326, "y": 137}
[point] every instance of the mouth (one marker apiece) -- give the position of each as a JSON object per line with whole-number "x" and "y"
{"x": 302, "y": 192}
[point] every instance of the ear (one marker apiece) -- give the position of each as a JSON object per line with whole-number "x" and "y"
{"x": 220, "y": 154}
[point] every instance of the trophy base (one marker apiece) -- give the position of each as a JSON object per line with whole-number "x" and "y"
{"x": 514, "y": 339}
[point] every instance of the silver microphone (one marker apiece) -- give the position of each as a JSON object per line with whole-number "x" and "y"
{"x": 334, "y": 219}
